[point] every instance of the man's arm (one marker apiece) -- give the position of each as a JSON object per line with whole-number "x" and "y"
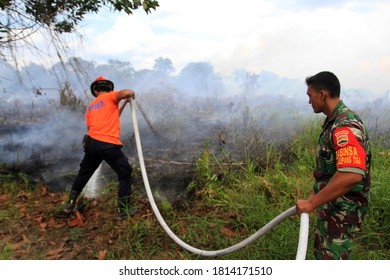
{"x": 123, "y": 106}
{"x": 125, "y": 93}
{"x": 340, "y": 184}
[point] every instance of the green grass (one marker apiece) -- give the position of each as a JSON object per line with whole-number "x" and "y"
{"x": 6, "y": 252}
{"x": 227, "y": 205}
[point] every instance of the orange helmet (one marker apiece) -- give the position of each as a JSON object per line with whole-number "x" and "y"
{"x": 102, "y": 84}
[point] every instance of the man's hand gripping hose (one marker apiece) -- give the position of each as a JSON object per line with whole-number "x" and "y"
{"x": 304, "y": 218}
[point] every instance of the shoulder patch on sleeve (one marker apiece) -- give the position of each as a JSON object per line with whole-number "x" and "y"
{"x": 349, "y": 152}
{"x": 342, "y": 138}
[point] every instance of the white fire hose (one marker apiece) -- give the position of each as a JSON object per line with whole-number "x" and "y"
{"x": 304, "y": 219}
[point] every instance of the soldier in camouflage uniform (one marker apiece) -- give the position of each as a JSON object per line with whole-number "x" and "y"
{"x": 342, "y": 174}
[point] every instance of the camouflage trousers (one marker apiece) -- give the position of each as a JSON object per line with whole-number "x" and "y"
{"x": 337, "y": 224}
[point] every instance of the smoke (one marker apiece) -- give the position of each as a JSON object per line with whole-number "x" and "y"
{"x": 47, "y": 138}
{"x": 233, "y": 116}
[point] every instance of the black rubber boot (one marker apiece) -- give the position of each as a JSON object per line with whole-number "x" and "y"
{"x": 71, "y": 202}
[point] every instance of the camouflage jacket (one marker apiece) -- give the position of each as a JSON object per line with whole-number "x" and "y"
{"x": 344, "y": 146}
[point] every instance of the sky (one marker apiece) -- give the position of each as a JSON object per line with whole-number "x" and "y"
{"x": 293, "y": 39}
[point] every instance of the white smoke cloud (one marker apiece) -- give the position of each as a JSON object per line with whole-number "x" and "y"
{"x": 295, "y": 40}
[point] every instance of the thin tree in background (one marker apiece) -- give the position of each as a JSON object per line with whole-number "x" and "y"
{"x": 25, "y": 24}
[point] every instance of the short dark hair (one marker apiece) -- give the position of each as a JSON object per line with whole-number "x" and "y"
{"x": 325, "y": 81}
{"x": 103, "y": 86}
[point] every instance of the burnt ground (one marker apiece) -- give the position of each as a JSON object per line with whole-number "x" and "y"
{"x": 33, "y": 227}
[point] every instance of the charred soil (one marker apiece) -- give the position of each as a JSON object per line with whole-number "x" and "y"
{"x": 34, "y": 227}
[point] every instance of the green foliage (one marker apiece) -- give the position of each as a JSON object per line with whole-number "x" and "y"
{"x": 4, "y": 4}
{"x": 75, "y": 233}
{"x": 62, "y": 16}
{"x": 65, "y": 15}
{"x": 375, "y": 233}
{"x": 250, "y": 170}
{"x": 203, "y": 165}
{"x": 13, "y": 180}
{"x": 208, "y": 181}
{"x": 6, "y": 252}
{"x": 166, "y": 205}
{"x": 305, "y": 144}
{"x": 256, "y": 197}
{"x": 230, "y": 205}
